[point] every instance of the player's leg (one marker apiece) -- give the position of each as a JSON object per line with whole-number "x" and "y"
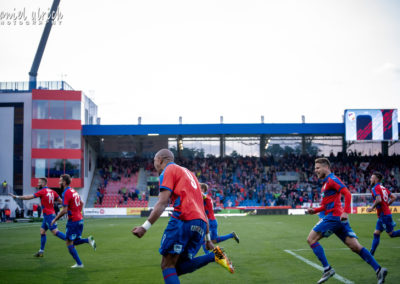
{"x": 74, "y": 231}
{"x": 313, "y": 241}
{"x": 347, "y": 235}
{"x": 43, "y": 240}
{"x": 375, "y": 241}
{"x": 170, "y": 249}
{"x": 79, "y": 241}
{"x": 89, "y": 240}
{"x": 191, "y": 237}
{"x": 319, "y": 231}
{"x": 74, "y": 253}
{"x": 186, "y": 242}
{"x": 59, "y": 234}
{"x": 380, "y": 227}
{"x": 394, "y": 234}
{"x": 168, "y": 263}
{"x": 43, "y": 237}
{"x": 214, "y": 233}
{"x": 54, "y": 229}
{"x": 390, "y": 224}
{"x": 224, "y": 238}
{"x": 355, "y": 246}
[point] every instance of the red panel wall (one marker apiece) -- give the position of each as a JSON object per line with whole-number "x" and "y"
{"x": 53, "y": 182}
{"x": 56, "y": 153}
{"x": 59, "y": 95}
{"x": 58, "y": 124}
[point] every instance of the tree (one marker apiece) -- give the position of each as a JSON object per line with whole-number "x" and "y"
{"x": 234, "y": 154}
{"x": 188, "y": 152}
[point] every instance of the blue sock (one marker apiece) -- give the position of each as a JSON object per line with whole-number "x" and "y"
{"x": 194, "y": 263}
{"x": 61, "y": 235}
{"x": 375, "y": 243}
{"x": 319, "y": 252}
{"x": 368, "y": 258}
{"x": 395, "y": 234}
{"x": 42, "y": 242}
{"x": 74, "y": 254}
{"x": 224, "y": 238}
{"x": 170, "y": 276}
{"x": 81, "y": 241}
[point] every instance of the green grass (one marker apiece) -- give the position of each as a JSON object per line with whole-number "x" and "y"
{"x": 259, "y": 258}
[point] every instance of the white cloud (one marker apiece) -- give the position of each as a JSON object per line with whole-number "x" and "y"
{"x": 389, "y": 68}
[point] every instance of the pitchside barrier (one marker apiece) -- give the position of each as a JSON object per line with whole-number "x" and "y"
{"x": 359, "y": 204}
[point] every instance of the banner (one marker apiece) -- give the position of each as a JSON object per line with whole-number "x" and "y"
{"x": 134, "y": 210}
{"x": 363, "y": 210}
{"x": 104, "y": 211}
{"x": 371, "y": 124}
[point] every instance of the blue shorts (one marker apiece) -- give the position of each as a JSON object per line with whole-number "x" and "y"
{"x": 328, "y": 226}
{"x": 385, "y": 223}
{"x": 74, "y": 230}
{"x": 183, "y": 237}
{"x": 213, "y": 229}
{"x": 47, "y": 221}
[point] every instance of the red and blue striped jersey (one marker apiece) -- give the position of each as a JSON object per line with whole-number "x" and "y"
{"x": 331, "y": 193}
{"x": 47, "y": 197}
{"x": 208, "y": 207}
{"x": 72, "y": 200}
{"x": 186, "y": 197}
{"x": 384, "y": 193}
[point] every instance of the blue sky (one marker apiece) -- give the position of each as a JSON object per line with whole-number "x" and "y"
{"x": 203, "y": 59}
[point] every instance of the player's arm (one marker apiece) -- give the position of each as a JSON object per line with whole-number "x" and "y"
{"x": 60, "y": 214}
{"x": 392, "y": 199}
{"x": 317, "y": 209}
{"x": 162, "y": 203}
{"x": 347, "y": 203}
{"x": 378, "y": 200}
{"x": 209, "y": 243}
{"x": 22, "y": 197}
{"x": 64, "y": 210}
{"x": 59, "y": 200}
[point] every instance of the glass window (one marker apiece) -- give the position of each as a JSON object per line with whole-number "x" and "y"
{"x": 56, "y": 110}
{"x": 56, "y": 168}
{"x": 40, "y": 109}
{"x": 38, "y": 168}
{"x": 56, "y": 139}
{"x": 40, "y": 138}
{"x": 73, "y": 110}
{"x": 72, "y": 139}
{"x": 73, "y": 168}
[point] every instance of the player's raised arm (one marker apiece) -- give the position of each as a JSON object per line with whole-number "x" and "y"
{"x": 162, "y": 203}
{"x": 23, "y": 197}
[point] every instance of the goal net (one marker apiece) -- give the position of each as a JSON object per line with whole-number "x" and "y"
{"x": 361, "y": 201}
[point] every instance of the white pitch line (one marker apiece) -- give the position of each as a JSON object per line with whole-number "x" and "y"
{"x": 336, "y": 276}
{"x": 308, "y": 249}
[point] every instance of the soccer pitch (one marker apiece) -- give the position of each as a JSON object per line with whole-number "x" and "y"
{"x": 259, "y": 258}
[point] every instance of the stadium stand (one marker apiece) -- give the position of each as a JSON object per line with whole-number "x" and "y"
{"x": 251, "y": 181}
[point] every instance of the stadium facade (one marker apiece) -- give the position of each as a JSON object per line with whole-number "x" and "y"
{"x": 54, "y": 129}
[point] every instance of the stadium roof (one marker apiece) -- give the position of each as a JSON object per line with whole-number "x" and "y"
{"x": 251, "y": 129}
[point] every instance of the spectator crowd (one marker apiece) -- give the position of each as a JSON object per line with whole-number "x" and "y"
{"x": 254, "y": 181}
